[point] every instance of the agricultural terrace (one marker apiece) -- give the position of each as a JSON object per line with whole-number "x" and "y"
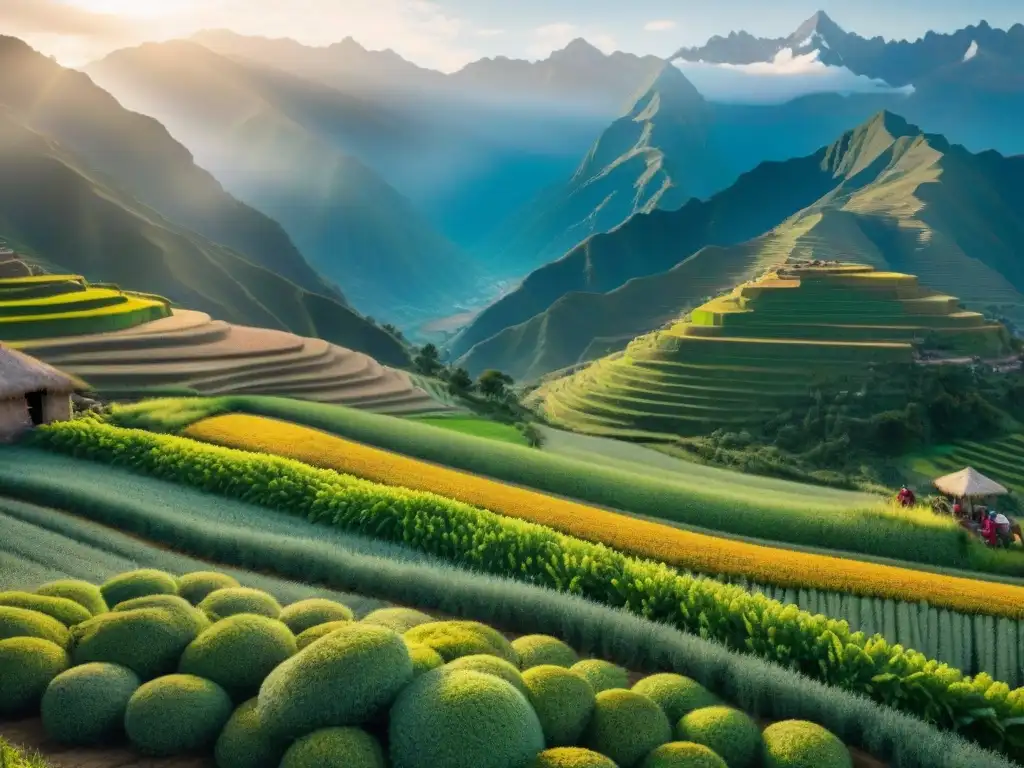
{"x": 256, "y": 659}
{"x": 481, "y": 541}
{"x": 45, "y": 306}
{"x": 1002, "y": 460}
{"x": 744, "y": 356}
{"x": 475, "y": 426}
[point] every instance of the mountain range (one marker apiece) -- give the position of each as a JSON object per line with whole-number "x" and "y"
{"x": 886, "y": 194}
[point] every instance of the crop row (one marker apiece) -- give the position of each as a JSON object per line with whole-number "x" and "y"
{"x": 162, "y": 512}
{"x": 695, "y": 552}
{"x": 981, "y": 709}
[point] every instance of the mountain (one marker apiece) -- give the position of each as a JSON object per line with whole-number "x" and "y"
{"x": 885, "y": 194}
{"x": 897, "y": 62}
{"x": 142, "y": 159}
{"x": 249, "y": 126}
{"x": 71, "y": 219}
{"x": 656, "y": 156}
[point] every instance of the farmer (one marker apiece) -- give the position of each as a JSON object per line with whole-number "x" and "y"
{"x": 906, "y": 497}
{"x": 1003, "y": 529}
{"x": 989, "y": 529}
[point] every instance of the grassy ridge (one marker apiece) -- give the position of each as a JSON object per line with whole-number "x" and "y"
{"x": 138, "y": 504}
{"x": 981, "y": 709}
{"x": 754, "y": 511}
{"x": 490, "y": 430}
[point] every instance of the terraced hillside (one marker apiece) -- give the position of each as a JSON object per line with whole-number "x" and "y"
{"x": 742, "y": 356}
{"x": 1001, "y": 460}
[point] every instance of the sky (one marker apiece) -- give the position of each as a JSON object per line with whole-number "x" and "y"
{"x": 447, "y": 34}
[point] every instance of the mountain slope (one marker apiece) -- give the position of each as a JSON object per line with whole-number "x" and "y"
{"x": 356, "y": 228}
{"x": 899, "y": 199}
{"x": 73, "y": 220}
{"x": 142, "y": 159}
{"x": 655, "y": 156}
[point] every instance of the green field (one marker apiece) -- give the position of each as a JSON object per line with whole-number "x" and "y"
{"x": 476, "y": 427}
{"x": 1001, "y": 459}
{"x": 741, "y": 358}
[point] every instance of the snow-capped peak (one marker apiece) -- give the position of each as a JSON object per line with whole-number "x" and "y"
{"x": 972, "y": 51}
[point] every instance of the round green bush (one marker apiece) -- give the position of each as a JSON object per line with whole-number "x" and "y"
{"x": 399, "y": 619}
{"x": 147, "y": 581}
{"x": 27, "y": 665}
{"x": 67, "y": 612}
{"x": 195, "y": 586}
{"x": 800, "y": 744}
{"x": 237, "y": 653}
{"x": 424, "y": 658}
{"x": 626, "y": 726}
{"x": 179, "y": 607}
{"x": 245, "y": 744}
{"x": 313, "y": 634}
{"x": 344, "y": 678}
{"x": 149, "y": 641}
{"x": 683, "y": 754}
{"x": 85, "y": 705}
{"x": 82, "y": 592}
{"x": 222, "y": 603}
{"x": 675, "y": 694}
{"x": 563, "y": 701}
{"x": 727, "y": 731}
{"x": 335, "y": 748}
{"x": 453, "y": 639}
{"x": 176, "y": 714}
{"x": 462, "y": 719}
{"x": 21, "y": 622}
{"x": 304, "y": 614}
{"x": 602, "y": 675}
{"x": 491, "y": 665}
{"x": 538, "y": 650}
{"x": 571, "y": 757}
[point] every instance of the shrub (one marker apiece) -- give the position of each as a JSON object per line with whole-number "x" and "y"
{"x": 195, "y": 586}
{"x": 626, "y": 726}
{"x": 178, "y": 607}
{"x": 491, "y": 665}
{"x": 67, "y": 612}
{"x": 399, "y": 619}
{"x": 563, "y": 701}
{"x": 571, "y": 757}
{"x": 222, "y": 603}
{"x": 602, "y": 675}
{"x": 369, "y": 664}
{"x": 176, "y": 714}
{"x": 462, "y": 719}
{"x": 245, "y": 744}
{"x": 139, "y": 583}
{"x": 27, "y": 665}
{"x": 453, "y": 639}
{"x": 683, "y": 754}
{"x": 535, "y": 650}
{"x": 424, "y": 658}
{"x": 85, "y": 705}
{"x": 675, "y": 694}
{"x": 238, "y": 652}
{"x": 85, "y": 594}
{"x": 149, "y": 641}
{"x": 335, "y": 748}
{"x": 304, "y": 614}
{"x": 800, "y": 744}
{"x": 21, "y": 622}
{"x": 727, "y": 731}
{"x": 313, "y": 634}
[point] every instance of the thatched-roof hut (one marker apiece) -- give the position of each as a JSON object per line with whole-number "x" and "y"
{"x": 31, "y": 393}
{"x": 969, "y": 483}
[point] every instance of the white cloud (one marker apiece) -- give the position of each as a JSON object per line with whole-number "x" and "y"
{"x": 784, "y": 78}
{"x": 972, "y": 51}
{"x": 659, "y": 25}
{"x": 490, "y": 32}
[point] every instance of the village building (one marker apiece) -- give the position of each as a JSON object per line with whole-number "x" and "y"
{"x": 31, "y": 393}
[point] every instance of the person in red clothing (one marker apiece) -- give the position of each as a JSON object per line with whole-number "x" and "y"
{"x": 906, "y": 497}
{"x": 989, "y": 529}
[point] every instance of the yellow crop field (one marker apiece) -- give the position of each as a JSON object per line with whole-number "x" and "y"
{"x": 690, "y": 551}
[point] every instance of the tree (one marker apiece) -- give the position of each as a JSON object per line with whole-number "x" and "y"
{"x": 428, "y": 360}
{"x": 460, "y": 382}
{"x": 494, "y": 384}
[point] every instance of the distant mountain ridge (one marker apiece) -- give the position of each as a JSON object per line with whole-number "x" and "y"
{"x": 897, "y": 62}
{"x": 884, "y": 194}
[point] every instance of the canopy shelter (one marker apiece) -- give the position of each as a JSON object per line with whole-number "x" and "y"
{"x": 969, "y": 483}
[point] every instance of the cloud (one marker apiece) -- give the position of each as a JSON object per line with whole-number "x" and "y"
{"x": 659, "y": 25}
{"x": 784, "y": 78}
{"x": 489, "y": 32}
